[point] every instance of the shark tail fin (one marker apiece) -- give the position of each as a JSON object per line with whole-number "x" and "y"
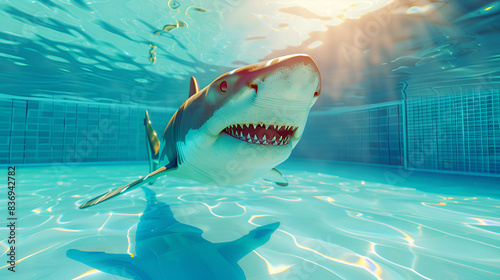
{"x": 153, "y": 145}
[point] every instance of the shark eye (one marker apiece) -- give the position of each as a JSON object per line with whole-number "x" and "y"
{"x": 223, "y": 86}
{"x": 254, "y": 86}
{"x": 316, "y": 94}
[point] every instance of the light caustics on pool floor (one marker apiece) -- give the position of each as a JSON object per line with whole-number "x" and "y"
{"x": 331, "y": 227}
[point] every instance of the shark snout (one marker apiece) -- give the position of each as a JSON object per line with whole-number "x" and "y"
{"x": 294, "y": 79}
{"x": 290, "y": 62}
{"x": 291, "y": 77}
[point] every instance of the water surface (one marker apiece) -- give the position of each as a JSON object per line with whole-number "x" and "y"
{"x": 336, "y": 221}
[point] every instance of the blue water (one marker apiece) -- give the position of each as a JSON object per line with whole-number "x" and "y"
{"x": 366, "y": 50}
{"x": 337, "y": 221}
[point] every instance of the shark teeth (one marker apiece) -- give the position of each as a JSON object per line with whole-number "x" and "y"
{"x": 272, "y": 134}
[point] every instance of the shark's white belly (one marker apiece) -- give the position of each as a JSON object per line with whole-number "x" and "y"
{"x": 215, "y": 164}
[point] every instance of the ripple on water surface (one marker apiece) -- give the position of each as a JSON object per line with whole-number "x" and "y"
{"x": 332, "y": 227}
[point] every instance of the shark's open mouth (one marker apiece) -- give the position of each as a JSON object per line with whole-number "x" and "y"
{"x": 262, "y": 133}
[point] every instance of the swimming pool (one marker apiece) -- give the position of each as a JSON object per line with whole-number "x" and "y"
{"x": 395, "y": 177}
{"x": 337, "y": 221}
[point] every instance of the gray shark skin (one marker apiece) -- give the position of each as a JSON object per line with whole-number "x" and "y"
{"x": 168, "y": 249}
{"x": 235, "y": 130}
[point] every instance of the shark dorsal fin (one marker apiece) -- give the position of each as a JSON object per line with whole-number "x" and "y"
{"x": 193, "y": 88}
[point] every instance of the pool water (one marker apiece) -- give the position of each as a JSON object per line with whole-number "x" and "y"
{"x": 337, "y": 221}
{"x": 405, "y": 83}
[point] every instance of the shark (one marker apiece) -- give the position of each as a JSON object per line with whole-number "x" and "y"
{"x": 236, "y": 129}
{"x": 168, "y": 249}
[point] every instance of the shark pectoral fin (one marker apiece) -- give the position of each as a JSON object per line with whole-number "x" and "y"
{"x": 152, "y": 144}
{"x": 116, "y": 264}
{"x": 274, "y": 175}
{"x": 193, "y": 88}
{"x": 130, "y": 186}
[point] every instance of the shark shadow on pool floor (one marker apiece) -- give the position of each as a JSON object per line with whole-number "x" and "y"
{"x": 168, "y": 249}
